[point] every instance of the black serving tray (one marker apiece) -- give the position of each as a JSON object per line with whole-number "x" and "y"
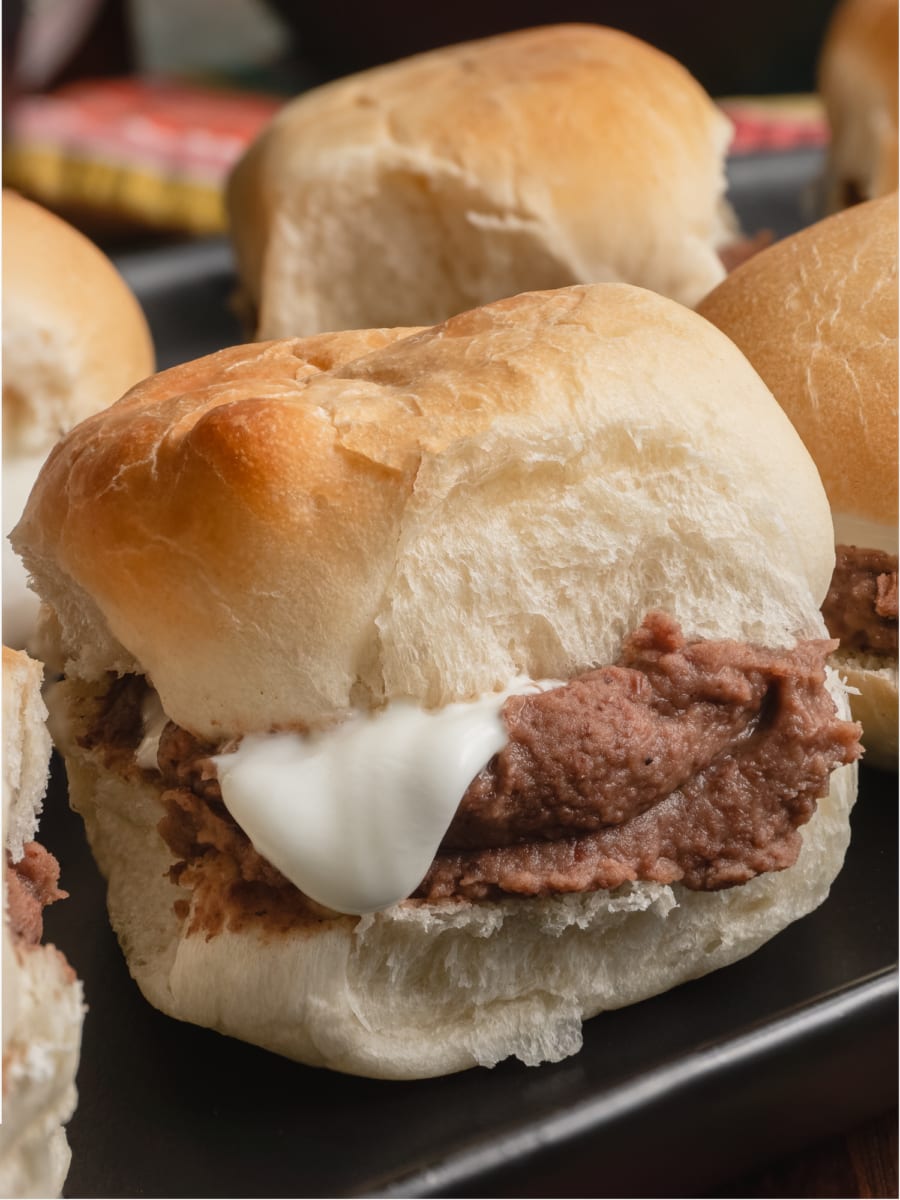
{"x": 670, "y": 1097}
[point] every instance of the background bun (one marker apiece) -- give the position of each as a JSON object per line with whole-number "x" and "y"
{"x": 74, "y": 338}
{"x": 858, "y": 82}
{"x": 42, "y": 999}
{"x": 551, "y": 156}
{"x": 282, "y": 531}
{"x": 279, "y": 532}
{"x": 816, "y": 315}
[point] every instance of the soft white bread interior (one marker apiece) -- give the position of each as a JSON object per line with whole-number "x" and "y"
{"x": 536, "y": 159}
{"x": 858, "y": 80}
{"x": 816, "y": 315}
{"x": 420, "y": 990}
{"x": 26, "y": 749}
{"x": 74, "y": 339}
{"x": 42, "y": 999}
{"x": 280, "y": 532}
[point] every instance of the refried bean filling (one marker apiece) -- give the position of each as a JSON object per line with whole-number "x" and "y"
{"x": 684, "y": 762}
{"x": 31, "y": 884}
{"x": 860, "y": 609}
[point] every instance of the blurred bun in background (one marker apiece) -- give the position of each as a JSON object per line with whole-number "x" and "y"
{"x": 858, "y": 82}
{"x": 74, "y": 339}
{"x": 43, "y": 1006}
{"x": 537, "y": 159}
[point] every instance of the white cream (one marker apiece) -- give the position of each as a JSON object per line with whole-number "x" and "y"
{"x": 155, "y": 721}
{"x": 850, "y": 530}
{"x": 354, "y": 816}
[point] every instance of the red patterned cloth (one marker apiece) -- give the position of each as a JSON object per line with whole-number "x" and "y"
{"x": 151, "y": 151}
{"x": 773, "y": 123}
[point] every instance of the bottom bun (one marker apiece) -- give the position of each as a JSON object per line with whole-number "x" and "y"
{"x": 875, "y": 706}
{"x": 44, "y": 1009}
{"x": 426, "y": 989}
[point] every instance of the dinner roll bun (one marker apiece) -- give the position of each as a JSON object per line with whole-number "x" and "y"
{"x": 816, "y": 315}
{"x": 858, "y": 81}
{"x": 280, "y": 534}
{"x": 42, "y": 999}
{"x": 535, "y": 159}
{"x": 74, "y": 339}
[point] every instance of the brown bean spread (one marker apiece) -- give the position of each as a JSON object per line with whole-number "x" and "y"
{"x": 861, "y": 606}
{"x": 31, "y": 884}
{"x": 684, "y": 762}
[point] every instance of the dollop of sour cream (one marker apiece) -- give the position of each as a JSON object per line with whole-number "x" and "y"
{"x": 354, "y": 815}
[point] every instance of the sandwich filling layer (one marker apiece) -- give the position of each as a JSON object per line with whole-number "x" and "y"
{"x": 31, "y": 884}
{"x": 684, "y": 762}
{"x": 860, "y": 609}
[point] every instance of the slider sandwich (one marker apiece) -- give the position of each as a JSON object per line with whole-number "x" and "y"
{"x": 42, "y": 999}
{"x": 536, "y": 159}
{"x": 74, "y": 338}
{"x": 430, "y": 691}
{"x": 858, "y": 80}
{"x": 816, "y": 315}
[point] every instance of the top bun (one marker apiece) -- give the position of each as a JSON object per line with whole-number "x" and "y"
{"x": 280, "y": 531}
{"x": 816, "y": 314}
{"x": 536, "y": 159}
{"x": 858, "y": 82}
{"x": 74, "y": 337}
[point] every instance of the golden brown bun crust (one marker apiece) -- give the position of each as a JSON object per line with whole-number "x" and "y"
{"x": 816, "y": 315}
{"x": 532, "y": 160}
{"x": 858, "y": 81}
{"x": 280, "y": 531}
{"x": 74, "y": 336}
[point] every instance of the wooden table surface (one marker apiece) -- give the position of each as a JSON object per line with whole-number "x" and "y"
{"x": 860, "y": 1163}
